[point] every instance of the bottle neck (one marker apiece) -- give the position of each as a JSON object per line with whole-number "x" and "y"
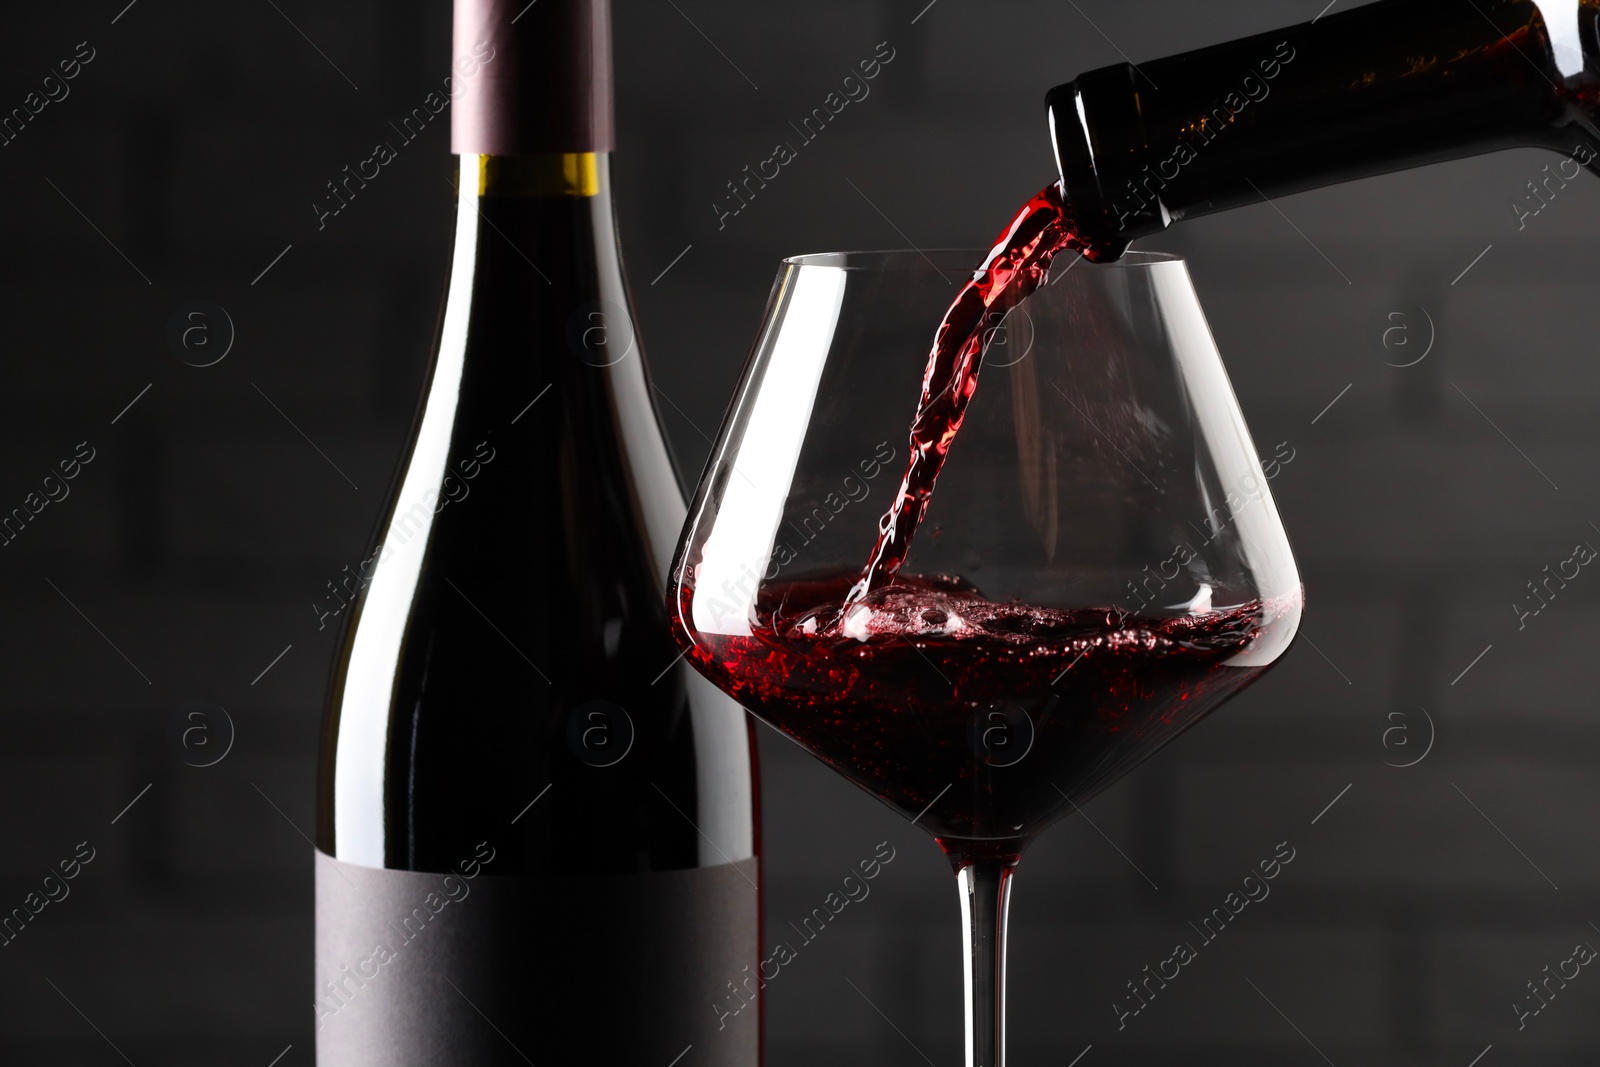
{"x": 539, "y": 288}
{"x": 1384, "y": 87}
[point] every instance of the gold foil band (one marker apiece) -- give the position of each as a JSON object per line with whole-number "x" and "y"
{"x": 545, "y": 174}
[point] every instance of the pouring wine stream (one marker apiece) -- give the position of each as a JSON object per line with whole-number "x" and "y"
{"x": 1016, "y": 266}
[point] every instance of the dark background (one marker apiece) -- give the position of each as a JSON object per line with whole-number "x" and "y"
{"x": 190, "y": 549}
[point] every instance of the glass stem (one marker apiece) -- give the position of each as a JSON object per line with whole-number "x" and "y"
{"x": 985, "y": 887}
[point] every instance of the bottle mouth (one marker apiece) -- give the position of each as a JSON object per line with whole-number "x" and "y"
{"x": 953, "y": 260}
{"x": 1091, "y": 119}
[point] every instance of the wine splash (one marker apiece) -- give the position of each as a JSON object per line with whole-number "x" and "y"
{"x": 1016, "y": 266}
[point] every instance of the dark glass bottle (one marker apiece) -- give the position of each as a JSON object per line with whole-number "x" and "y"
{"x": 537, "y": 836}
{"x": 1378, "y": 88}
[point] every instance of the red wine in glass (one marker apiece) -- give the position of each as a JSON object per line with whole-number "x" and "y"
{"x": 978, "y": 720}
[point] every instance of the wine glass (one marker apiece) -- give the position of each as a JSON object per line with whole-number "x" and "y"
{"x": 1100, "y": 563}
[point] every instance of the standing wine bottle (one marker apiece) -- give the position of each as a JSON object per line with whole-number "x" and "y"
{"x": 536, "y": 835}
{"x": 1378, "y": 88}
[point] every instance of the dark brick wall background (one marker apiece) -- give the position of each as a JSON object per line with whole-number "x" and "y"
{"x": 186, "y": 158}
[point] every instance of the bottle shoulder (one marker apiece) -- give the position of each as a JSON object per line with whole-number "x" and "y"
{"x": 511, "y": 634}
